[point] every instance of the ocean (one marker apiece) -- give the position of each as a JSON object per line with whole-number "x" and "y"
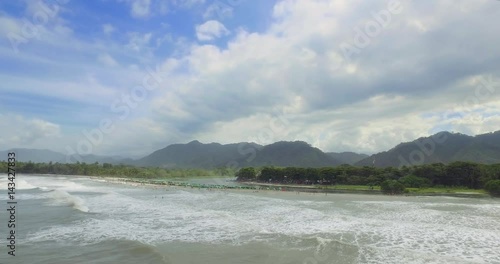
{"x": 68, "y": 219}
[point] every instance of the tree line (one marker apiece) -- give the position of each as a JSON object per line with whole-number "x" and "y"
{"x": 107, "y": 169}
{"x": 457, "y": 174}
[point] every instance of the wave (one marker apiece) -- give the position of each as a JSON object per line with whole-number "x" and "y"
{"x": 63, "y": 184}
{"x": 20, "y": 184}
{"x": 340, "y": 230}
{"x": 64, "y": 198}
{"x": 23, "y": 185}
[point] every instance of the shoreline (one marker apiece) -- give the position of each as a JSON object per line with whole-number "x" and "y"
{"x": 256, "y": 186}
{"x": 312, "y": 188}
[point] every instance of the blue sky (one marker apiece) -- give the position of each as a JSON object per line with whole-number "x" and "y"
{"x": 342, "y": 75}
{"x": 122, "y": 23}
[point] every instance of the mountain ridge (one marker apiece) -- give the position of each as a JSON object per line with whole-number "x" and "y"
{"x": 442, "y": 147}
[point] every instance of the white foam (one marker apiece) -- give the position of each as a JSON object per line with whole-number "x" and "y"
{"x": 60, "y": 197}
{"x": 20, "y": 184}
{"x": 30, "y": 196}
{"x": 61, "y": 184}
{"x": 397, "y": 230}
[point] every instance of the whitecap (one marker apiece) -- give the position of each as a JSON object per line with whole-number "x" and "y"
{"x": 60, "y": 197}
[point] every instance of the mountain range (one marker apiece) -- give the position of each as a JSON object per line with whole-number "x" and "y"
{"x": 198, "y": 155}
{"x": 443, "y": 147}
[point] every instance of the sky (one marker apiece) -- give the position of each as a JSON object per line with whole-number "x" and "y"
{"x": 127, "y": 77}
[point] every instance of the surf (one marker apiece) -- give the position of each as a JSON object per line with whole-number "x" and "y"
{"x": 60, "y": 197}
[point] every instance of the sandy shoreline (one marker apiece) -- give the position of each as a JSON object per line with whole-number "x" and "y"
{"x": 258, "y": 187}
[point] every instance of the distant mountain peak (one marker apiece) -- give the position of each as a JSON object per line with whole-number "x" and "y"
{"x": 296, "y": 142}
{"x": 442, "y": 147}
{"x": 197, "y": 155}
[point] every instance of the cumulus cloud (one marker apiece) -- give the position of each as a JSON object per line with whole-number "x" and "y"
{"x": 108, "y": 29}
{"x": 342, "y": 75}
{"x": 210, "y": 30}
{"x": 219, "y": 10}
{"x": 138, "y": 41}
{"x": 188, "y": 3}
{"x": 107, "y": 60}
{"x": 408, "y": 71}
{"x": 140, "y": 8}
{"x": 27, "y": 132}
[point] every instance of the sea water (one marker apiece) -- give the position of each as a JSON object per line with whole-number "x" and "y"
{"x": 82, "y": 220}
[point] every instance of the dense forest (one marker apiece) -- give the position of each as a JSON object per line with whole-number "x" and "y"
{"x": 456, "y": 174}
{"x": 107, "y": 169}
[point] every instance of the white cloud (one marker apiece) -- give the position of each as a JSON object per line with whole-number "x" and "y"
{"x": 9, "y": 25}
{"x": 108, "y": 29}
{"x": 406, "y": 83}
{"x": 140, "y": 8}
{"x": 386, "y": 94}
{"x": 188, "y": 3}
{"x": 107, "y": 60}
{"x": 138, "y": 41}
{"x": 218, "y": 10}
{"x": 161, "y": 7}
{"x": 142, "y": 46}
{"x": 210, "y": 30}
{"x": 25, "y": 132}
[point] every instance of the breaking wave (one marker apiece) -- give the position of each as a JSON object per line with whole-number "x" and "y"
{"x": 60, "y": 197}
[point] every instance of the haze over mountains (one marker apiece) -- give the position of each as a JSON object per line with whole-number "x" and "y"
{"x": 442, "y": 147}
{"x": 45, "y": 156}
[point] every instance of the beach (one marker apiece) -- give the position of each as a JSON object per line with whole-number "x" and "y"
{"x": 65, "y": 219}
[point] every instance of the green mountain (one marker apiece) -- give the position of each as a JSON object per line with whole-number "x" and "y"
{"x": 443, "y": 147}
{"x": 199, "y": 155}
{"x": 291, "y": 154}
{"x": 196, "y": 155}
{"x": 347, "y": 157}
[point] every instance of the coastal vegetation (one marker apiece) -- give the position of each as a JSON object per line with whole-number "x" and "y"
{"x": 493, "y": 187}
{"x": 107, "y": 169}
{"x": 392, "y": 187}
{"x": 462, "y": 175}
{"x": 456, "y": 177}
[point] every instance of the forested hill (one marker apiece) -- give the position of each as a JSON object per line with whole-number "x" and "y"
{"x": 213, "y": 155}
{"x": 347, "y": 157}
{"x": 443, "y": 147}
{"x": 285, "y": 153}
{"x": 196, "y": 155}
